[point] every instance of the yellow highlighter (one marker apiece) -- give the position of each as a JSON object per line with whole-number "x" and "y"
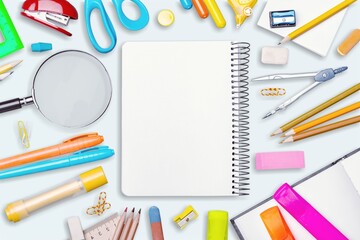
{"x": 317, "y": 21}
{"x": 242, "y": 9}
{"x": 215, "y": 13}
{"x": 84, "y": 183}
{"x": 217, "y": 225}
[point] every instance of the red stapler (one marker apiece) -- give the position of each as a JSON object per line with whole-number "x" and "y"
{"x": 48, "y": 11}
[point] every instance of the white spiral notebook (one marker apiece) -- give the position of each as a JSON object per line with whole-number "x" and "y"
{"x": 185, "y": 119}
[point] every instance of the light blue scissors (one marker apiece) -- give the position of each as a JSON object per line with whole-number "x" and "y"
{"x": 130, "y": 24}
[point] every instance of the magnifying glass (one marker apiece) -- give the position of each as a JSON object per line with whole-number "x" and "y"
{"x": 71, "y": 88}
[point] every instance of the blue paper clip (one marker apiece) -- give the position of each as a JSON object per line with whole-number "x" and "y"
{"x": 128, "y": 23}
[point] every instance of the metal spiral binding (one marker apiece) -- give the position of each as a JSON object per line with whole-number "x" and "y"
{"x": 240, "y": 54}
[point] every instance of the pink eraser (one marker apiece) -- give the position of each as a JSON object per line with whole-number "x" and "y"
{"x": 280, "y": 160}
{"x": 306, "y": 214}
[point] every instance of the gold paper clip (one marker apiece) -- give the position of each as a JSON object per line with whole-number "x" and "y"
{"x": 272, "y": 92}
{"x": 24, "y": 136}
{"x": 185, "y": 217}
{"x": 101, "y": 207}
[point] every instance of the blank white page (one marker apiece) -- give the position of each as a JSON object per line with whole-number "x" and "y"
{"x": 318, "y": 39}
{"x": 331, "y": 192}
{"x": 176, "y": 119}
{"x": 352, "y": 168}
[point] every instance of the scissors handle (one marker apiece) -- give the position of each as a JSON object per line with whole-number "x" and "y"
{"x": 90, "y": 5}
{"x": 130, "y": 24}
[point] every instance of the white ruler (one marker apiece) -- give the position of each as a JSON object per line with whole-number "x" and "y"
{"x": 103, "y": 230}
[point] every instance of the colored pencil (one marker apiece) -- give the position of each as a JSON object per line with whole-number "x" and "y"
{"x": 317, "y": 109}
{"x": 323, "y": 129}
{"x": 322, "y": 119}
{"x": 134, "y": 226}
{"x": 316, "y": 21}
{"x": 5, "y": 75}
{"x": 120, "y": 226}
{"x": 9, "y": 66}
{"x": 127, "y": 226}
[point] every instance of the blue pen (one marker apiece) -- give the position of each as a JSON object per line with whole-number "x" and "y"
{"x": 77, "y": 158}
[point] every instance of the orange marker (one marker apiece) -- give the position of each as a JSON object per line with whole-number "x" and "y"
{"x": 276, "y": 225}
{"x": 72, "y": 145}
{"x": 201, "y": 8}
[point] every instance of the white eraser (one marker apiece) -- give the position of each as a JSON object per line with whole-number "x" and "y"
{"x": 76, "y": 231}
{"x": 274, "y": 55}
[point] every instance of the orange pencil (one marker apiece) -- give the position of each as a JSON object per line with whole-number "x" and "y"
{"x": 323, "y": 129}
{"x": 134, "y": 226}
{"x": 322, "y": 119}
{"x": 72, "y": 145}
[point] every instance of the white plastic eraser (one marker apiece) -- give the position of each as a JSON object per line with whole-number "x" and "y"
{"x": 274, "y": 55}
{"x": 76, "y": 231}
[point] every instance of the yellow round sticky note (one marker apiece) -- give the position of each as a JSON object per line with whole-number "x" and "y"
{"x": 166, "y": 18}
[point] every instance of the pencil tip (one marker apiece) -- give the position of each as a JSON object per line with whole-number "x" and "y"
{"x": 125, "y": 209}
{"x": 284, "y": 135}
{"x": 140, "y": 211}
{"x": 279, "y": 44}
{"x": 133, "y": 210}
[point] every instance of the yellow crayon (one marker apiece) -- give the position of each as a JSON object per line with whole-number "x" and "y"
{"x": 215, "y": 13}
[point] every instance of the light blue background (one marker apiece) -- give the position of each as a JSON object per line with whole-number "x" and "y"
{"x": 50, "y": 223}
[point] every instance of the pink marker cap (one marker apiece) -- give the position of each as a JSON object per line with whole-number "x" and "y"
{"x": 280, "y": 160}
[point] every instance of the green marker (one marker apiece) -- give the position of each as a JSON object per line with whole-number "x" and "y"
{"x": 9, "y": 38}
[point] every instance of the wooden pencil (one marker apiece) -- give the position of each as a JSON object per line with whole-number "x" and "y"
{"x": 323, "y": 129}
{"x": 5, "y": 75}
{"x": 317, "y": 109}
{"x": 322, "y": 119}
{"x": 134, "y": 226}
{"x": 120, "y": 226}
{"x": 127, "y": 226}
{"x": 316, "y": 21}
{"x": 7, "y": 67}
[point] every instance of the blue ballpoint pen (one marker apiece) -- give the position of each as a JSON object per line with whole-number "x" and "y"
{"x": 77, "y": 158}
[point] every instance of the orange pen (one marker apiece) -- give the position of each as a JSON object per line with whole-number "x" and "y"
{"x": 72, "y": 145}
{"x": 201, "y": 8}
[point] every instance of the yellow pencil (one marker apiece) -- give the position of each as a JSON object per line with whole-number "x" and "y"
{"x": 317, "y": 21}
{"x": 9, "y": 66}
{"x": 323, "y": 119}
{"x": 323, "y": 129}
{"x": 317, "y": 109}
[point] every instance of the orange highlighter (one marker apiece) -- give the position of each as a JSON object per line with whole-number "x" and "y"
{"x": 72, "y": 145}
{"x": 276, "y": 225}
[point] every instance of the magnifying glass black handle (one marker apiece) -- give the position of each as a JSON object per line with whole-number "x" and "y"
{"x": 14, "y": 104}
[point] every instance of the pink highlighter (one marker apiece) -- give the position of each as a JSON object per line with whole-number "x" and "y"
{"x": 155, "y": 221}
{"x": 306, "y": 215}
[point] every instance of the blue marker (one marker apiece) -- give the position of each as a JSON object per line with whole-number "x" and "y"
{"x": 187, "y": 4}
{"x": 77, "y": 158}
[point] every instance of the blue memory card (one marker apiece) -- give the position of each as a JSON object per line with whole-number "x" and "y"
{"x": 285, "y": 18}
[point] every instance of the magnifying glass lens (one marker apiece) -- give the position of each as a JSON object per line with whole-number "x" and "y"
{"x": 72, "y": 89}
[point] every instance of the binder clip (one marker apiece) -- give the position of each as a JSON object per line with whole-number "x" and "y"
{"x": 185, "y": 217}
